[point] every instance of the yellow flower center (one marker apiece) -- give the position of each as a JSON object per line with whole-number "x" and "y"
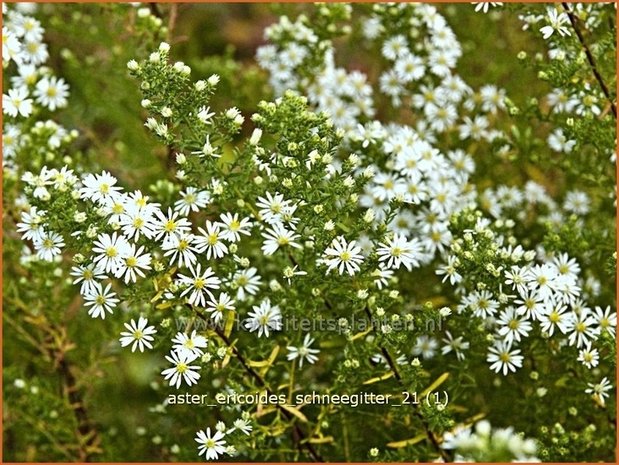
{"x": 170, "y": 226}
{"x": 111, "y": 252}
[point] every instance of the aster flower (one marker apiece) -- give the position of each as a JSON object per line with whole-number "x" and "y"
{"x": 211, "y": 446}
{"x": 598, "y": 391}
{"x": 48, "y": 245}
{"x": 425, "y": 346}
{"x": 110, "y": 251}
{"x": 192, "y": 200}
{"x": 457, "y": 345}
{"x": 16, "y": 102}
{"x": 512, "y": 326}
{"x": 606, "y": 320}
{"x": 88, "y": 275}
{"x": 232, "y": 227}
{"x": 303, "y": 352}
{"x": 271, "y": 207}
{"x": 198, "y": 285}
{"x": 246, "y": 282}
{"x": 133, "y": 264}
{"x": 99, "y": 188}
{"x": 181, "y": 369}
{"x": 278, "y": 236}
{"x": 556, "y": 23}
{"x": 581, "y": 329}
{"x": 589, "y": 356}
{"x": 555, "y": 316}
{"x": 210, "y": 241}
{"x": 137, "y": 221}
{"x": 100, "y": 300}
{"x": 138, "y": 335}
{"x": 30, "y": 225}
{"x": 189, "y": 345}
{"x": 181, "y": 251}
{"x": 343, "y": 256}
{"x": 52, "y": 92}
{"x": 398, "y": 250}
{"x": 264, "y": 318}
{"x": 503, "y": 359}
{"x": 217, "y": 307}
{"x": 169, "y": 227}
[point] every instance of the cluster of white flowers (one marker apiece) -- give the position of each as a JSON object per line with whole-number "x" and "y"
{"x": 405, "y": 182}
{"x": 212, "y": 445}
{"x": 22, "y": 43}
{"x": 547, "y": 294}
{"x": 32, "y": 88}
{"x": 483, "y": 443}
{"x": 434, "y": 184}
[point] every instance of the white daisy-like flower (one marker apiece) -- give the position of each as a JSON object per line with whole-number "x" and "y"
{"x": 52, "y": 92}
{"x": 207, "y": 149}
{"x": 543, "y": 278}
{"x": 398, "y": 250}
{"x": 16, "y": 102}
{"x": 170, "y": 227}
{"x": 100, "y": 300}
{"x": 530, "y": 305}
{"x": 110, "y": 251}
{"x": 246, "y": 282}
{"x": 211, "y": 446}
{"x": 204, "y": 114}
{"x": 181, "y": 369}
{"x": 199, "y": 285}
{"x": 582, "y": 329}
{"x": 134, "y": 263}
{"x": 278, "y": 236}
{"x": 291, "y": 272}
{"x": 191, "y": 345}
{"x": 606, "y": 320}
{"x": 457, "y": 345}
{"x": 555, "y": 316}
{"x": 139, "y": 335}
{"x": 516, "y": 278}
{"x": 483, "y": 304}
{"x": 598, "y": 391}
{"x": 503, "y": 359}
{"x": 264, "y": 318}
{"x": 556, "y": 23}
{"x": 425, "y": 346}
{"x": 210, "y": 241}
{"x": 232, "y": 227}
{"x": 137, "y": 221}
{"x": 182, "y": 251}
{"x": 512, "y": 326}
{"x": 217, "y": 307}
{"x": 48, "y": 245}
{"x": 100, "y": 188}
{"x": 192, "y": 200}
{"x": 88, "y": 275}
{"x": 272, "y": 207}
{"x": 303, "y": 352}
{"x": 588, "y": 356}
{"x": 343, "y": 256}
{"x": 241, "y": 424}
{"x": 30, "y": 225}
